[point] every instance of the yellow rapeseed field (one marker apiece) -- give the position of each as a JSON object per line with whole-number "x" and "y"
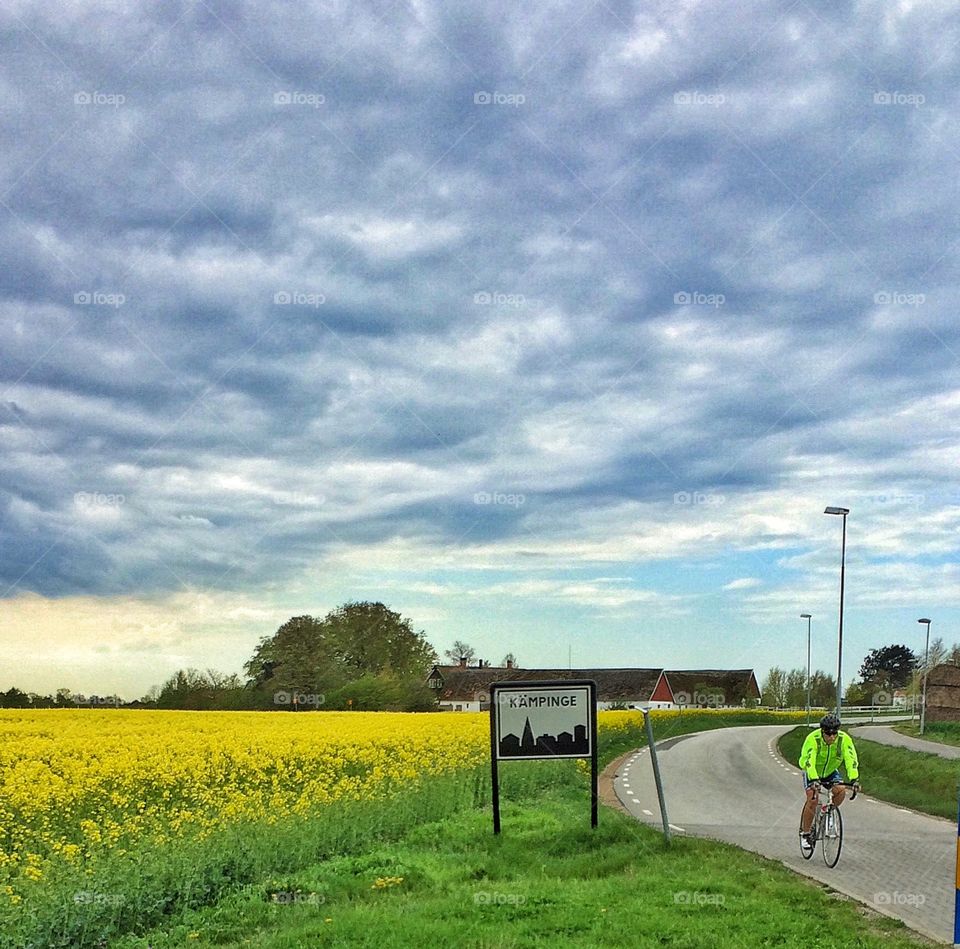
{"x": 74, "y": 783}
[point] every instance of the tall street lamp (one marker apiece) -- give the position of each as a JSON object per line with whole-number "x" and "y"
{"x": 926, "y": 656}
{"x": 807, "y": 617}
{"x": 843, "y": 511}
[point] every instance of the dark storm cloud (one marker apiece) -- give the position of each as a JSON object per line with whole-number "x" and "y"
{"x": 287, "y": 279}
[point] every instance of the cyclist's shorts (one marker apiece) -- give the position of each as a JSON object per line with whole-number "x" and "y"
{"x": 826, "y": 780}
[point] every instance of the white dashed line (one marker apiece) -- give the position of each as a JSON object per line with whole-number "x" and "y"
{"x": 648, "y": 813}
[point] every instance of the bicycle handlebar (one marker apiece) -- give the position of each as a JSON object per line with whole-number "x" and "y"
{"x": 841, "y": 784}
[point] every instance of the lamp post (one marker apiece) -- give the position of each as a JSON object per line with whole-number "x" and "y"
{"x": 843, "y": 511}
{"x": 926, "y": 656}
{"x": 807, "y": 617}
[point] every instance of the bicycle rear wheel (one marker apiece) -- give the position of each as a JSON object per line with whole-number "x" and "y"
{"x": 832, "y": 840}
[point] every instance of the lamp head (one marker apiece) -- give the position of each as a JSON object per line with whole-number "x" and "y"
{"x": 924, "y": 620}
{"x": 836, "y": 510}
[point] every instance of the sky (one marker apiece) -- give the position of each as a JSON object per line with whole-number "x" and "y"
{"x": 555, "y": 329}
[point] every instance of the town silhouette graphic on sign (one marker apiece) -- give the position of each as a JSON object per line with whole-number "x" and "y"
{"x": 526, "y": 745}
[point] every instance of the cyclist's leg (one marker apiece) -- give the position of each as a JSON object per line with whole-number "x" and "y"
{"x": 809, "y": 808}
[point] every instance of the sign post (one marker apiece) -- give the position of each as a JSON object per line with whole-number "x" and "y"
{"x": 543, "y": 720}
{"x": 652, "y": 745}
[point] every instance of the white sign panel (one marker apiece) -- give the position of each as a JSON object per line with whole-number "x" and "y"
{"x": 546, "y": 721}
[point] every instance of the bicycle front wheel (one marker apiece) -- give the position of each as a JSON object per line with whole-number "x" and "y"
{"x": 832, "y": 835}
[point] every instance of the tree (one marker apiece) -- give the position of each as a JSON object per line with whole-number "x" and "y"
{"x": 508, "y": 658}
{"x": 461, "y": 650}
{"x": 297, "y": 658}
{"x": 64, "y": 698}
{"x": 368, "y": 638}
{"x": 889, "y": 667}
{"x": 774, "y": 693}
{"x": 14, "y": 698}
{"x": 858, "y": 693}
{"x": 357, "y": 641}
{"x": 151, "y": 696}
{"x": 192, "y": 689}
{"x": 795, "y": 687}
{"x": 953, "y": 657}
{"x": 936, "y": 655}
{"x": 823, "y": 689}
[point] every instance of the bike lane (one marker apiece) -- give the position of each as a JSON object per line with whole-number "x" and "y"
{"x": 730, "y": 784}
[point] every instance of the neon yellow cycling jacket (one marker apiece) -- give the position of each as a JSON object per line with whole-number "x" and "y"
{"x": 819, "y": 759}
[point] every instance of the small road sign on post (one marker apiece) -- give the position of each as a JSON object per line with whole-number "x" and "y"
{"x": 537, "y": 720}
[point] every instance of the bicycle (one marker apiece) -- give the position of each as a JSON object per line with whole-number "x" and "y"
{"x": 827, "y": 826}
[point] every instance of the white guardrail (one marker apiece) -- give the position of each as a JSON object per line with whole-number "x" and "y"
{"x": 888, "y": 713}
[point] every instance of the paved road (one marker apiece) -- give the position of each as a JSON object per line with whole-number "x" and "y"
{"x": 899, "y": 862}
{"x": 887, "y": 736}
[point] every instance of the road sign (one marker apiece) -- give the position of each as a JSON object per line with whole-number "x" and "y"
{"x": 537, "y": 720}
{"x": 542, "y": 721}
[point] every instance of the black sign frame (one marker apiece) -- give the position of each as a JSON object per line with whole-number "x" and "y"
{"x": 498, "y": 689}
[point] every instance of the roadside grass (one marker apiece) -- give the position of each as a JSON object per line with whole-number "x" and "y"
{"x": 923, "y": 782}
{"x": 153, "y": 886}
{"x": 946, "y": 732}
{"x": 547, "y": 880}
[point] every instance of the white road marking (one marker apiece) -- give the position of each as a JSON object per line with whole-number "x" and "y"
{"x": 645, "y": 811}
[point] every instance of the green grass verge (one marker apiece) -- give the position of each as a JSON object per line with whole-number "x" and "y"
{"x": 548, "y": 880}
{"x": 948, "y": 733}
{"x": 914, "y": 779}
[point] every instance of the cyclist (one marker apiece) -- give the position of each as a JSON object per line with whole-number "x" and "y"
{"x": 823, "y": 751}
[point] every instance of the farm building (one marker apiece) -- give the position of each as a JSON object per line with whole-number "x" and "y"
{"x": 463, "y": 688}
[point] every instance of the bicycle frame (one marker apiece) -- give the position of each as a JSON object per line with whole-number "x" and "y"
{"x": 826, "y": 813}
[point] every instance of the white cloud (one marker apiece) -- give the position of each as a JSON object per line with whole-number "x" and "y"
{"x": 744, "y": 583}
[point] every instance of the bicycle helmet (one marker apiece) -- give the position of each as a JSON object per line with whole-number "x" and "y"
{"x": 830, "y": 724}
